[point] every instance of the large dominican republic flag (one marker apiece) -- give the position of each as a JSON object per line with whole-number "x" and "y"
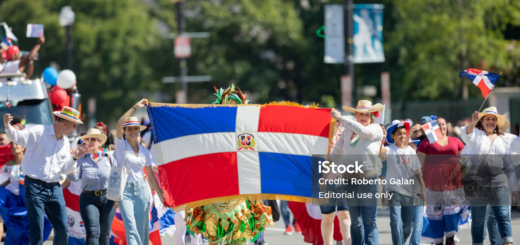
{"x": 211, "y": 153}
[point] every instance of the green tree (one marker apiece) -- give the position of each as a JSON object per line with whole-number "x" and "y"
{"x": 113, "y": 40}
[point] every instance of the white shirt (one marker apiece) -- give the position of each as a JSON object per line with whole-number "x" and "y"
{"x": 133, "y": 163}
{"x": 402, "y": 163}
{"x": 367, "y": 147}
{"x": 499, "y": 158}
{"x": 46, "y": 158}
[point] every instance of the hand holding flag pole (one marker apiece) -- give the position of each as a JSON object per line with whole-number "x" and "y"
{"x": 484, "y": 80}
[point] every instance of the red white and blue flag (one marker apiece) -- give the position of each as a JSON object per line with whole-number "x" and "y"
{"x": 432, "y": 131}
{"x": 75, "y": 225}
{"x": 207, "y": 153}
{"x": 484, "y": 80}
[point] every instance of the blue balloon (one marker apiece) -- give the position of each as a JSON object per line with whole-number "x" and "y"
{"x": 50, "y": 75}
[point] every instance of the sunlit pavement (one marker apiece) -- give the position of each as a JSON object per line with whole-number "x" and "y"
{"x": 275, "y": 236}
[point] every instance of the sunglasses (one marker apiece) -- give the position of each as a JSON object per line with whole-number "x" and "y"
{"x": 91, "y": 139}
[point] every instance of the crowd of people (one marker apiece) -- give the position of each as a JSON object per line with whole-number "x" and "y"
{"x": 45, "y": 161}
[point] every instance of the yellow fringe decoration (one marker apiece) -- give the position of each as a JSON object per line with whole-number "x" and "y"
{"x": 289, "y": 103}
{"x": 331, "y": 136}
{"x": 250, "y": 197}
{"x": 195, "y": 106}
{"x": 283, "y": 103}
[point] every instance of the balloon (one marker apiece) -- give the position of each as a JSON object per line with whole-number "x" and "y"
{"x": 59, "y": 96}
{"x": 50, "y": 75}
{"x": 66, "y": 79}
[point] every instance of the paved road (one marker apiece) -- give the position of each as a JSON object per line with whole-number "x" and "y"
{"x": 275, "y": 236}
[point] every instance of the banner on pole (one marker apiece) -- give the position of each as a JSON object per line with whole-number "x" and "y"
{"x": 367, "y": 34}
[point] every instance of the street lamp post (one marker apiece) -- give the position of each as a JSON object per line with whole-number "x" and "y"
{"x": 67, "y": 17}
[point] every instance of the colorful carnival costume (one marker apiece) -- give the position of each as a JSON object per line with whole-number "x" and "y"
{"x": 231, "y": 222}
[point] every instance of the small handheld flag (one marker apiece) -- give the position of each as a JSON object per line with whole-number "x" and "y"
{"x": 484, "y": 80}
{"x": 433, "y": 131}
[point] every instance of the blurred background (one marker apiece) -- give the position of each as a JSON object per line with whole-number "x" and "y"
{"x": 123, "y": 50}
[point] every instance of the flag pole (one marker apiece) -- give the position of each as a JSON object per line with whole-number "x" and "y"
{"x": 482, "y": 104}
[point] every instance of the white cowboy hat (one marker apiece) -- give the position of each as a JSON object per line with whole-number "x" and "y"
{"x": 134, "y": 122}
{"x": 69, "y": 113}
{"x": 502, "y": 122}
{"x": 365, "y": 106}
{"x": 95, "y": 133}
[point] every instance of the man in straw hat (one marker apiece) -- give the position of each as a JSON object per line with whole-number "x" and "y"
{"x": 47, "y": 157}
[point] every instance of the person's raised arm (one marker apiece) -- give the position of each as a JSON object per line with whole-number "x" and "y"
{"x": 30, "y": 70}
{"x": 120, "y": 124}
{"x": 19, "y": 137}
{"x": 367, "y": 132}
{"x": 473, "y": 123}
{"x": 32, "y": 54}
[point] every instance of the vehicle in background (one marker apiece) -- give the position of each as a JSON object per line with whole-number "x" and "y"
{"x": 28, "y": 99}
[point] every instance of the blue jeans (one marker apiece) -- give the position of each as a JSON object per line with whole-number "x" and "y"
{"x": 363, "y": 213}
{"x": 492, "y": 226}
{"x": 97, "y": 213}
{"x": 418, "y": 212}
{"x": 40, "y": 200}
{"x": 479, "y": 210}
{"x": 401, "y": 217}
{"x": 284, "y": 209}
{"x": 135, "y": 212}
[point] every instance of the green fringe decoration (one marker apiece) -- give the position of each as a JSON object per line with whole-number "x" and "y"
{"x": 189, "y": 230}
{"x": 242, "y": 227}
{"x": 220, "y": 229}
{"x": 202, "y": 226}
{"x": 255, "y": 238}
{"x": 235, "y": 98}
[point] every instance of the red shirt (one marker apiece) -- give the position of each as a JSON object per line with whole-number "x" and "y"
{"x": 440, "y": 170}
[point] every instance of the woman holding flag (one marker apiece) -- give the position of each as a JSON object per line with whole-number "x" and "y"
{"x": 136, "y": 198}
{"x": 492, "y": 174}
{"x": 362, "y": 138}
{"x": 446, "y": 203}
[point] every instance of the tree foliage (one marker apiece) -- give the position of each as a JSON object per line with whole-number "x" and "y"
{"x": 268, "y": 48}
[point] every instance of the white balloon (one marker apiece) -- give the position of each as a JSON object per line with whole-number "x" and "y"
{"x": 66, "y": 79}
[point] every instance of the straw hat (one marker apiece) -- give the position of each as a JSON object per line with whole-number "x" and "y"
{"x": 69, "y": 113}
{"x": 95, "y": 133}
{"x": 365, "y": 106}
{"x": 133, "y": 122}
{"x": 502, "y": 122}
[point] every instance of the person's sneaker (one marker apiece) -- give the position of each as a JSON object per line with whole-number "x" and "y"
{"x": 288, "y": 230}
{"x": 297, "y": 227}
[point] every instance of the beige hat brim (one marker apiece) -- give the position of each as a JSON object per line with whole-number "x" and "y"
{"x": 501, "y": 120}
{"x": 101, "y": 137}
{"x": 141, "y": 127}
{"x": 58, "y": 114}
{"x": 377, "y": 107}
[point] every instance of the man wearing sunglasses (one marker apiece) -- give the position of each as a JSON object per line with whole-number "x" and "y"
{"x": 47, "y": 157}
